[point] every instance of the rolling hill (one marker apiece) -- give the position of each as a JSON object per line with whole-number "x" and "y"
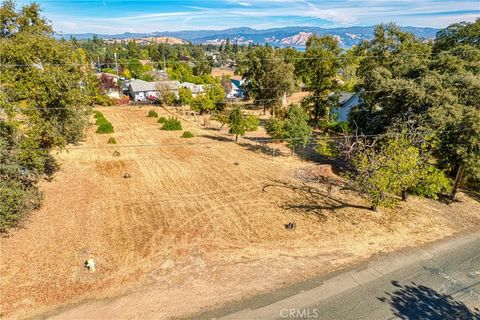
{"x": 288, "y": 36}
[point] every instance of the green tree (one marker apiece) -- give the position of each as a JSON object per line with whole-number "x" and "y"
{"x": 236, "y": 122}
{"x": 210, "y": 100}
{"x": 185, "y": 96}
{"x": 319, "y": 70}
{"x": 393, "y": 166}
{"x": 269, "y": 78}
{"x": 296, "y": 127}
{"x": 458, "y": 34}
{"x": 45, "y": 95}
{"x": 402, "y": 78}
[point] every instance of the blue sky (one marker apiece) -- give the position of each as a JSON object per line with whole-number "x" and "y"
{"x": 116, "y": 16}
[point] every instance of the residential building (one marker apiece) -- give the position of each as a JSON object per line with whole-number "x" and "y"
{"x": 140, "y": 90}
{"x": 347, "y": 101}
{"x": 236, "y": 91}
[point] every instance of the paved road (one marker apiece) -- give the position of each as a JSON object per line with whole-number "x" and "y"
{"x": 438, "y": 282}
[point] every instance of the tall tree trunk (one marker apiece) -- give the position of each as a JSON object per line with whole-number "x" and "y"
{"x": 404, "y": 195}
{"x": 236, "y": 137}
{"x": 458, "y": 180}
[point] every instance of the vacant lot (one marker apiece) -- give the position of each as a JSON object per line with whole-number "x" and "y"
{"x": 199, "y": 222}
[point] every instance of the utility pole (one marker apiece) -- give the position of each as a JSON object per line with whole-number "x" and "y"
{"x": 118, "y": 78}
{"x": 116, "y": 62}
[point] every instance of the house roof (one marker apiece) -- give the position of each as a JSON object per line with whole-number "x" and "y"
{"x": 142, "y": 86}
{"x": 195, "y": 88}
{"x": 236, "y": 83}
{"x": 345, "y": 96}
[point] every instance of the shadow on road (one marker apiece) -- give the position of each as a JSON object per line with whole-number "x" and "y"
{"x": 417, "y": 302}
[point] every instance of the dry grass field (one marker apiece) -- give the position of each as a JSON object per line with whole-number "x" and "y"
{"x": 200, "y": 222}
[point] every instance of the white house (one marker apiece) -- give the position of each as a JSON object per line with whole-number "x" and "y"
{"x": 347, "y": 102}
{"x": 236, "y": 91}
{"x": 196, "y": 89}
{"x": 140, "y": 90}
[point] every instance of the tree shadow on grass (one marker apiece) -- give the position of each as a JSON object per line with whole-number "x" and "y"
{"x": 312, "y": 200}
{"x": 418, "y": 302}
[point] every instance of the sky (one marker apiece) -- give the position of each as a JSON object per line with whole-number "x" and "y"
{"x": 117, "y": 16}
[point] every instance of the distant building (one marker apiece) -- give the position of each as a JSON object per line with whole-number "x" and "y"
{"x": 196, "y": 89}
{"x": 236, "y": 91}
{"x": 140, "y": 90}
{"x": 347, "y": 101}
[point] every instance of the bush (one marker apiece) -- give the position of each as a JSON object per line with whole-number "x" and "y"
{"x": 162, "y": 120}
{"x": 105, "y": 127}
{"x": 112, "y": 140}
{"x": 334, "y": 126}
{"x": 103, "y": 100}
{"x": 187, "y": 135}
{"x": 152, "y": 114}
{"x": 16, "y": 201}
{"x": 172, "y": 124}
{"x": 432, "y": 183}
{"x": 326, "y": 147}
{"x": 275, "y": 128}
{"x": 251, "y": 123}
{"x": 123, "y": 100}
{"x": 98, "y": 114}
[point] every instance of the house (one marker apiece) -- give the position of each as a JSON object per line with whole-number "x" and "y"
{"x": 236, "y": 91}
{"x": 196, "y": 89}
{"x": 347, "y": 101}
{"x": 140, "y": 90}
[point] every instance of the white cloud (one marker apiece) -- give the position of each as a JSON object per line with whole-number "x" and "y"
{"x": 280, "y": 13}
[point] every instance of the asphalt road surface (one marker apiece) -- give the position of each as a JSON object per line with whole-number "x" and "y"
{"x": 435, "y": 283}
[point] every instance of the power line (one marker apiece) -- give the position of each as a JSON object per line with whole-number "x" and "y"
{"x": 227, "y": 140}
{"x": 219, "y": 102}
{"x": 113, "y": 64}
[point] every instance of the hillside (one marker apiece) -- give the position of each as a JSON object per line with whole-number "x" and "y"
{"x": 197, "y": 223}
{"x": 289, "y": 36}
{"x": 157, "y": 40}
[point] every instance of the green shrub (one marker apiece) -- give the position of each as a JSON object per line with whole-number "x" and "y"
{"x": 99, "y": 121}
{"x": 112, "y": 140}
{"x": 105, "y": 127}
{"x": 187, "y": 135}
{"x": 16, "y": 201}
{"x": 432, "y": 183}
{"x": 152, "y": 114}
{"x": 334, "y": 126}
{"x": 326, "y": 147}
{"x": 275, "y": 128}
{"x": 162, "y": 120}
{"x": 172, "y": 124}
{"x": 251, "y": 123}
{"x": 98, "y": 114}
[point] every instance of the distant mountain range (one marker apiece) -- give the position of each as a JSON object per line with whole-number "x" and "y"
{"x": 289, "y": 36}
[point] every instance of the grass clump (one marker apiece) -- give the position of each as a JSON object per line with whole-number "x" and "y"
{"x": 112, "y": 140}
{"x": 172, "y": 124}
{"x": 162, "y": 120}
{"x": 187, "y": 135}
{"x": 152, "y": 114}
{"x": 104, "y": 126}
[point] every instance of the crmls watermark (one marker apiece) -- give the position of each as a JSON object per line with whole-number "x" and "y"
{"x": 299, "y": 313}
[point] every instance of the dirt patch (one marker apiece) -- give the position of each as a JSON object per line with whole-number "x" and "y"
{"x": 191, "y": 229}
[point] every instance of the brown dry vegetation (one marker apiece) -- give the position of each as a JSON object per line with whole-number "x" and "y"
{"x": 190, "y": 229}
{"x": 219, "y": 72}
